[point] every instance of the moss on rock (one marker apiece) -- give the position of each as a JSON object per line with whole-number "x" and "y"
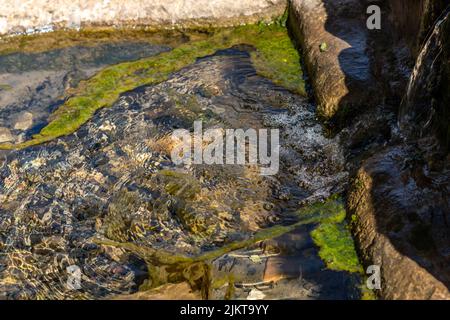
{"x": 334, "y": 239}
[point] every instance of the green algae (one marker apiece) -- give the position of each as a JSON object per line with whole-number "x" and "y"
{"x": 179, "y": 184}
{"x": 166, "y": 258}
{"x": 323, "y": 47}
{"x": 336, "y": 247}
{"x": 230, "y": 288}
{"x": 334, "y": 239}
{"x": 366, "y": 293}
{"x": 335, "y": 242}
{"x": 329, "y": 211}
{"x": 275, "y": 57}
{"x": 333, "y": 236}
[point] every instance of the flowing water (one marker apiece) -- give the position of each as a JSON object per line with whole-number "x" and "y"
{"x": 113, "y": 180}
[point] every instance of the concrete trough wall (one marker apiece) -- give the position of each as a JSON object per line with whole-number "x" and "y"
{"x": 26, "y": 16}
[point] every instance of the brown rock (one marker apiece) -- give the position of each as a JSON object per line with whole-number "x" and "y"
{"x": 341, "y": 75}
{"x": 399, "y": 224}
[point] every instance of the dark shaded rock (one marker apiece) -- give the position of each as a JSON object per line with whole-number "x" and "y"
{"x": 426, "y": 107}
{"x": 413, "y": 20}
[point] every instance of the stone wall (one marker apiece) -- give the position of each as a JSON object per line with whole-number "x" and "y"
{"x": 400, "y": 176}
{"x": 41, "y": 15}
{"x": 334, "y": 41}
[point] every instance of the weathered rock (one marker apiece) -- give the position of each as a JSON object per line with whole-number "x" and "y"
{"x": 340, "y": 75}
{"x": 414, "y": 19}
{"x": 400, "y": 210}
{"x": 399, "y": 197}
{"x": 38, "y": 15}
{"x": 425, "y": 109}
{"x": 5, "y": 135}
{"x": 24, "y": 121}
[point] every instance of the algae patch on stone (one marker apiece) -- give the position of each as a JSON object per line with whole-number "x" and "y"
{"x": 336, "y": 247}
{"x": 334, "y": 239}
{"x": 275, "y": 57}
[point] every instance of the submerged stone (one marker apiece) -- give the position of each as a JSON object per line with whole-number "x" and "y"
{"x": 24, "y": 121}
{"x": 5, "y": 135}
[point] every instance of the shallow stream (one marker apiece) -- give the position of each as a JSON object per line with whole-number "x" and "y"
{"x": 106, "y": 197}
